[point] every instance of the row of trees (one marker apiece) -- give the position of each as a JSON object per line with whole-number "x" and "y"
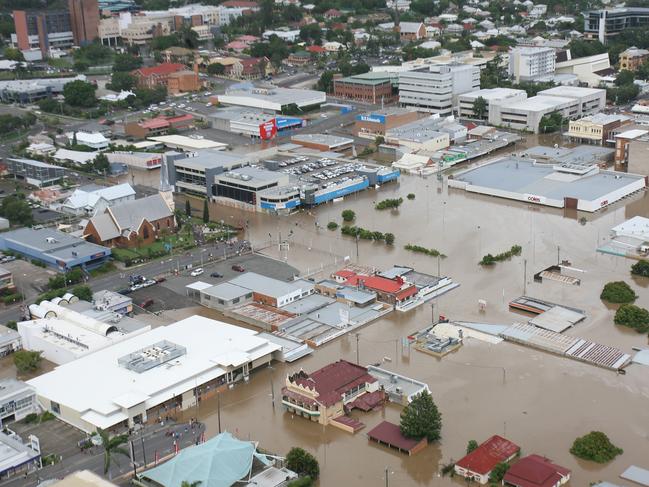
{"x": 489, "y": 259}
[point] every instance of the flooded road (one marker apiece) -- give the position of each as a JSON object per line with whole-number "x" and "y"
{"x": 541, "y": 402}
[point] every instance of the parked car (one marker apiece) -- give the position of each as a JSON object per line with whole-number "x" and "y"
{"x": 216, "y": 274}
{"x": 238, "y": 268}
{"x": 196, "y": 272}
{"x": 146, "y": 303}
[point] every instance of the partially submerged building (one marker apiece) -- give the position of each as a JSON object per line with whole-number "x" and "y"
{"x": 478, "y": 464}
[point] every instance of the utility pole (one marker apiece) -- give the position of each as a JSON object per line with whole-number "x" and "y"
{"x": 272, "y": 387}
{"x": 524, "y": 277}
{"x": 357, "y": 245}
{"x": 358, "y": 335}
{"x": 386, "y": 477}
{"x": 143, "y": 451}
{"x": 558, "y": 255}
{"x": 218, "y": 410}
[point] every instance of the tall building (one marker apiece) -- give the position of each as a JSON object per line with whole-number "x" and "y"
{"x": 84, "y": 19}
{"x": 42, "y": 30}
{"x": 436, "y": 89}
{"x": 605, "y": 24}
{"x": 531, "y": 63}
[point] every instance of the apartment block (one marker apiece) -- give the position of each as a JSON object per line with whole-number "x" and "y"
{"x": 531, "y": 63}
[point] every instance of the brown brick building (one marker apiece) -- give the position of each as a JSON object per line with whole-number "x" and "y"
{"x": 134, "y": 223}
{"x": 377, "y": 123}
{"x": 84, "y": 19}
{"x": 369, "y": 87}
{"x": 158, "y": 125}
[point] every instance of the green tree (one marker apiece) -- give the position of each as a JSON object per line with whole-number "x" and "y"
{"x": 13, "y": 54}
{"x": 326, "y": 82}
{"x": 378, "y": 140}
{"x": 618, "y": 292}
{"x": 188, "y": 208}
{"x": 389, "y": 238}
{"x": 216, "y": 69}
{"x": 348, "y": 215}
{"x": 16, "y": 209}
{"x": 471, "y": 445}
{"x": 27, "y": 361}
{"x": 633, "y": 316}
{"x": 83, "y": 292}
{"x": 480, "y": 107}
{"x": 595, "y": 446}
{"x": 640, "y": 268}
{"x": 421, "y": 418}
{"x": 121, "y": 81}
{"x": 126, "y": 62}
{"x": 624, "y": 77}
{"x": 550, "y": 123}
{"x": 311, "y": 33}
{"x": 498, "y": 472}
{"x": 112, "y": 446}
{"x": 302, "y": 462}
{"x": 101, "y": 164}
{"x": 80, "y": 94}
{"x": 12, "y": 325}
{"x": 187, "y": 483}
{"x": 206, "y": 211}
{"x": 332, "y": 225}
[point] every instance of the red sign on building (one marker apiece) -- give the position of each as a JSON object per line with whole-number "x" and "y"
{"x": 268, "y": 130}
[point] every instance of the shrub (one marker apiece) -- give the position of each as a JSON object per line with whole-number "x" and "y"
{"x": 47, "y": 416}
{"x": 12, "y": 298}
{"x": 30, "y": 418}
{"x": 301, "y": 482}
{"x": 640, "y": 268}
{"x": 423, "y": 250}
{"x": 492, "y": 259}
{"x": 389, "y": 203}
{"x": 618, "y": 292}
{"x": 302, "y": 462}
{"x": 595, "y": 446}
{"x": 332, "y": 225}
{"x": 364, "y": 234}
{"x": 389, "y": 238}
{"x": 348, "y": 215}
{"x": 12, "y": 324}
{"x": 38, "y": 263}
{"x": 83, "y": 292}
{"x": 26, "y": 361}
{"x": 411, "y": 196}
{"x": 633, "y": 316}
{"x": 471, "y": 445}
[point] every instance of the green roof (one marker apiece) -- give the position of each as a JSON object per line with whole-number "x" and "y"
{"x": 219, "y": 462}
{"x": 371, "y": 78}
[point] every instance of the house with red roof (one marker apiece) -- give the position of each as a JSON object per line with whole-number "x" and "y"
{"x": 392, "y": 291}
{"x": 158, "y": 125}
{"x": 478, "y": 464}
{"x": 316, "y": 49}
{"x": 249, "y": 5}
{"x": 536, "y": 471}
{"x": 324, "y": 395}
{"x": 332, "y": 13}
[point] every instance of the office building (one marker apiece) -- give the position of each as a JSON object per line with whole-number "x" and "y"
{"x": 531, "y": 63}
{"x": 244, "y": 184}
{"x": 490, "y": 96}
{"x": 35, "y": 173}
{"x": 195, "y": 172}
{"x": 17, "y": 400}
{"x": 371, "y": 87}
{"x": 596, "y": 129}
{"x": 32, "y": 90}
{"x": 638, "y": 154}
{"x": 436, "y": 88}
{"x": 370, "y": 125}
{"x": 42, "y": 30}
{"x": 56, "y": 249}
{"x": 9, "y": 341}
{"x": 84, "y": 19}
{"x": 169, "y": 368}
{"x": 608, "y": 23}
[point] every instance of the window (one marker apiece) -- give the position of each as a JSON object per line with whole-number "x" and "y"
{"x": 145, "y": 232}
{"x": 55, "y": 407}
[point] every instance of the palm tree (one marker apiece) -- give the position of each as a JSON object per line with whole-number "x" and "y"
{"x": 111, "y": 446}
{"x": 187, "y": 483}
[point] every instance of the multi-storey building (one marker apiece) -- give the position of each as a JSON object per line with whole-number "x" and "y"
{"x": 596, "y": 129}
{"x": 84, "y": 19}
{"x": 605, "y": 24}
{"x": 42, "y": 30}
{"x": 531, "y": 63}
{"x": 436, "y": 88}
{"x": 633, "y": 58}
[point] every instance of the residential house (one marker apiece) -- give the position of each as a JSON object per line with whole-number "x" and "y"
{"x": 322, "y": 395}
{"x": 134, "y": 223}
{"x": 332, "y": 13}
{"x": 411, "y": 31}
{"x": 536, "y": 471}
{"x": 93, "y": 199}
{"x": 393, "y": 291}
{"x": 478, "y": 464}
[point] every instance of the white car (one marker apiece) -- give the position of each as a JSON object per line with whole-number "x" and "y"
{"x": 196, "y": 272}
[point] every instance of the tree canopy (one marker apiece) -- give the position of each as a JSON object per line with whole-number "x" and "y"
{"x": 27, "y": 361}
{"x": 633, "y": 316}
{"x": 618, "y": 292}
{"x": 126, "y": 62}
{"x": 16, "y": 209}
{"x": 595, "y": 446}
{"x": 421, "y": 418}
{"x": 640, "y": 268}
{"x": 480, "y": 107}
{"x": 79, "y": 93}
{"x": 302, "y": 462}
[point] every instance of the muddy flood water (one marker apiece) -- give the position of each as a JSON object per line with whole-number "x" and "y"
{"x": 540, "y": 401}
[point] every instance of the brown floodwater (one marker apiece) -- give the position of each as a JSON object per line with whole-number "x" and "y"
{"x": 540, "y": 401}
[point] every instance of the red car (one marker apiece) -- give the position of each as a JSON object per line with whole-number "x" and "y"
{"x": 146, "y": 303}
{"x": 238, "y": 268}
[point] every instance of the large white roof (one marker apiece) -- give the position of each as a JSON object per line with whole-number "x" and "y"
{"x": 95, "y": 385}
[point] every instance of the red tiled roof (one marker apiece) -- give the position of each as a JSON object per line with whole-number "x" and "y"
{"x": 316, "y": 49}
{"x": 236, "y": 45}
{"x": 483, "y": 459}
{"x": 160, "y": 69}
{"x": 535, "y": 471}
{"x": 247, "y": 38}
{"x": 390, "y": 433}
{"x": 344, "y": 273}
{"x": 181, "y": 118}
{"x": 391, "y": 286}
{"x": 155, "y": 123}
{"x": 333, "y": 380}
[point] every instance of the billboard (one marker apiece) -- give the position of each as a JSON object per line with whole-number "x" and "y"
{"x": 267, "y": 130}
{"x": 373, "y": 117}
{"x": 285, "y": 122}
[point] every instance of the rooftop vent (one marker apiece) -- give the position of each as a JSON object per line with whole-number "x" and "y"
{"x": 152, "y": 356}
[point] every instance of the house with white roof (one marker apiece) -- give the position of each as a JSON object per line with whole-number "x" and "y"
{"x": 153, "y": 374}
{"x": 92, "y": 199}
